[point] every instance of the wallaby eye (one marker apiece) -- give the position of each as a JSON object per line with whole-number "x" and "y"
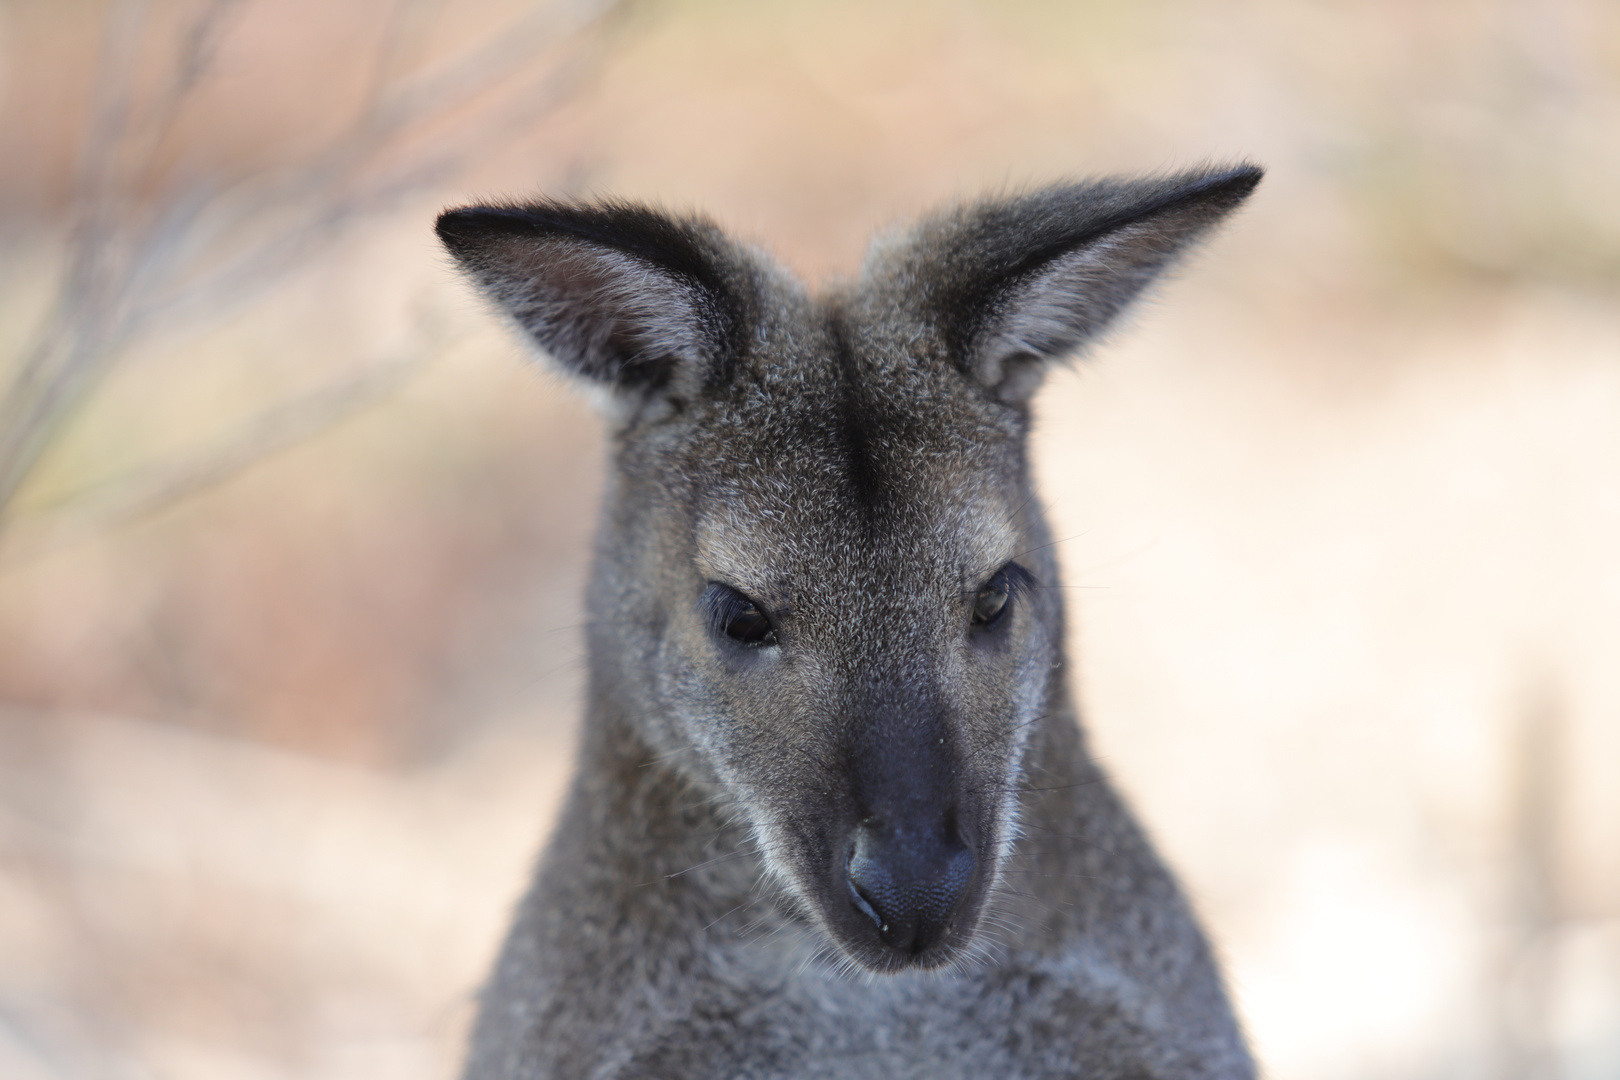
{"x": 737, "y": 617}
{"x": 993, "y": 602}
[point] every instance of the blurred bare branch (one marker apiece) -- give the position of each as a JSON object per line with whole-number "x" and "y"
{"x": 1527, "y": 980}
{"x": 155, "y": 246}
{"x": 151, "y": 490}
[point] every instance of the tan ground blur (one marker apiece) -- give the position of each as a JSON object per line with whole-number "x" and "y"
{"x": 1340, "y": 513}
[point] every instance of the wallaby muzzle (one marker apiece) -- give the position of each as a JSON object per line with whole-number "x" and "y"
{"x": 913, "y": 865}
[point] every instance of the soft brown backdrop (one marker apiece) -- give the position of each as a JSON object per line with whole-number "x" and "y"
{"x": 288, "y": 651}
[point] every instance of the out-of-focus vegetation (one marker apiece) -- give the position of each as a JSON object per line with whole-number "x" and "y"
{"x": 292, "y": 533}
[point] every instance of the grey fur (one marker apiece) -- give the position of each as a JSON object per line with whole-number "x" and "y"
{"x": 867, "y": 841}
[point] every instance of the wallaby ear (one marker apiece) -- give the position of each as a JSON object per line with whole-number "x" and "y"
{"x": 637, "y": 302}
{"x": 1016, "y": 283}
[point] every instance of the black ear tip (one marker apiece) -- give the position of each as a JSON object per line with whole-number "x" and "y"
{"x": 466, "y": 225}
{"x": 458, "y": 230}
{"x": 1234, "y": 183}
{"x": 466, "y": 228}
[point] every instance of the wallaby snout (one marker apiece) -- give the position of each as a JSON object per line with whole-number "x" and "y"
{"x": 829, "y": 727}
{"x": 909, "y": 878}
{"x": 913, "y": 857}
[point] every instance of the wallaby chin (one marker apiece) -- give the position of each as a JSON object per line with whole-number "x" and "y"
{"x": 829, "y": 730}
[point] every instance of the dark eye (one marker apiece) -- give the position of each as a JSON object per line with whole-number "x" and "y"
{"x": 737, "y": 617}
{"x": 993, "y": 602}
{"x": 990, "y": 603}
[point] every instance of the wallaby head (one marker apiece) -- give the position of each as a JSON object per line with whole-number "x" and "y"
{"x": 824, "y": 586}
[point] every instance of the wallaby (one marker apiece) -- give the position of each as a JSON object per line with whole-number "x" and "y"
{"x": 834, "y": 815}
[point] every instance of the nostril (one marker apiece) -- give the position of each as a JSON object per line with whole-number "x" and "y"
{"x": 864, "y": 906}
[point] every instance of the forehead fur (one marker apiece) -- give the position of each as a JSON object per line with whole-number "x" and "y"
{"x": 840, "y": 445}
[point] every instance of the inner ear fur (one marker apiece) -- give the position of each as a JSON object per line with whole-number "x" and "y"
{"x": 631, "y": 299}
{"x": 1015, "y": 283}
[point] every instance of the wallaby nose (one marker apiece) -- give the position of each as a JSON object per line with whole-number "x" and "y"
{"x": 908, "y": 877}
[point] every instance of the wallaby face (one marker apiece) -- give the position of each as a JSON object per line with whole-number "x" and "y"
{"x": 824, "y": 589}
{"x": 834, "y": 609}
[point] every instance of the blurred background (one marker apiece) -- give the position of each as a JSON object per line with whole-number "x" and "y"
{"x": 292, "y": 533}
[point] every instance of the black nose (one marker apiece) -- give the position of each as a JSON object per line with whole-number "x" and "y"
{"x": 908, "y": 877}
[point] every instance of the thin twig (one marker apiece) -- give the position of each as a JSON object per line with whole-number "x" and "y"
{"x": 133, "y": 267}
{"x": 85, "y": 515}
